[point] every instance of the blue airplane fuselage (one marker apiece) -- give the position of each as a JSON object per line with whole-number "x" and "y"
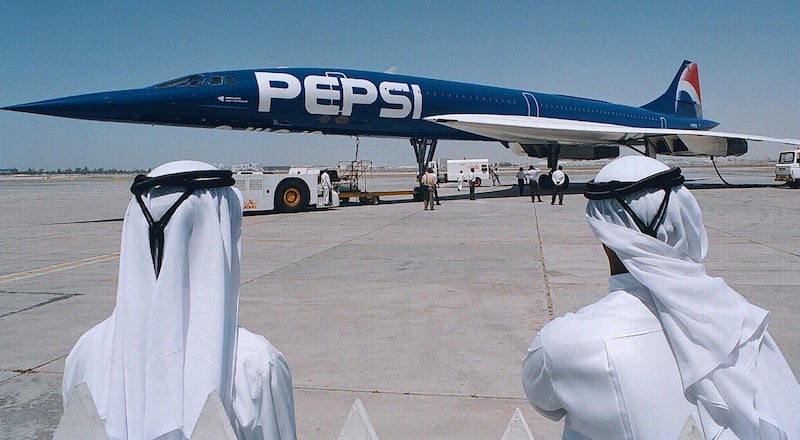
{"x": 341, "y": 102}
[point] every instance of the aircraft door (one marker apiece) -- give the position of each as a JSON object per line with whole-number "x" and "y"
{"x": 532, "y": 103}
{"x": 663, "y": 122}
{"x": 338, "y": 88}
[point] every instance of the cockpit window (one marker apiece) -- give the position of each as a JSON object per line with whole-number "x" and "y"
{"x": 186, "y": 81}
{"x": 217, "y": 80}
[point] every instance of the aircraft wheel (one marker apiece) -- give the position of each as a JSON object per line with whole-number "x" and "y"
{"x": 375, "y": 200}
{"x": 291, "y": 196}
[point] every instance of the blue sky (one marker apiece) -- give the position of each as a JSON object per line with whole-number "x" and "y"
{"x": 623, "y": 51}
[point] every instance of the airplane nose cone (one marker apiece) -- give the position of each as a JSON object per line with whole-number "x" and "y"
{"x": 82, "y": 106}
{"x": 138, "y": 106}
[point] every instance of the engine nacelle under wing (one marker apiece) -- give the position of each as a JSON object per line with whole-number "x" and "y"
{"x": 689, "y": 145}
{"x": 568, "y": 151}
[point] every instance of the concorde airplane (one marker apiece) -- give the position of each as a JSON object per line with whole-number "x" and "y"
{"x": 361, "y": 103}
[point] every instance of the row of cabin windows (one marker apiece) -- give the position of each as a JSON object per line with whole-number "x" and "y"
{"x": 470, "y": 97}
{"x": 547, "y": 106}
{"x": 596, "y": 111}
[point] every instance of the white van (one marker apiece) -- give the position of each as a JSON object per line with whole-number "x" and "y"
{"x": 788, "y": 168}
{"x": 481, "y": 167}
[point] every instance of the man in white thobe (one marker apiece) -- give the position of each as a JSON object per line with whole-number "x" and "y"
{"x": 668, "y": 341}
{"x": 325, "y": 183}
{"x": 173, "y": 337}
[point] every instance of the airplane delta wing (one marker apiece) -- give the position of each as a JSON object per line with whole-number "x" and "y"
{"x": 521, "y": 133}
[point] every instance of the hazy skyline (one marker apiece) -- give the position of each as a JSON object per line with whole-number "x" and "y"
{"x": 625, "y": 52}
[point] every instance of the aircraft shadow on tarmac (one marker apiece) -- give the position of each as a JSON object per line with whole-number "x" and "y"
{"x": 506, "y": 191}
{"x": 80, "y": 222}
{"x": 513, "y": 191}
{"x": 574, "y": 188}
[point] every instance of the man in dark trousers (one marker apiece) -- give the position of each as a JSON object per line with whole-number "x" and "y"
{"x": 472, "y": 182}
{"x": 560, "y": 184}
{"x": 521, "y": 180}
{"x": 533, "y": 182}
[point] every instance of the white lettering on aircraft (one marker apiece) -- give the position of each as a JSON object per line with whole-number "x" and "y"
{"x": 321, "y": 98}
{"x": 232, "y": 99}
{"x": 357, "y": 91}
{"x": 337, "y": 95}
{"x": 386, "y": 88}
{"x": 275, "y": 85}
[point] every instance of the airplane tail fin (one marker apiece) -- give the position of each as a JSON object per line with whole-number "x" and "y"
{"x": 682, "y": 98}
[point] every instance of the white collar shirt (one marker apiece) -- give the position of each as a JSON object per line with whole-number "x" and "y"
{"x": 558, "y": 177}
{"x": 532, "y": 174}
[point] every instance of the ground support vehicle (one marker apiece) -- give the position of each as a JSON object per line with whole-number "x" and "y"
{"x": 372, "y": 197}
{"x": 351, "y": 183}
{"x": 788, "y": 168}
{"x": 296, "y": 191}
{"x": 481, "y": 167}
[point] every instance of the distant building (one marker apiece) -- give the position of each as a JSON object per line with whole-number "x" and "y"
{"x": 244, "y": 167}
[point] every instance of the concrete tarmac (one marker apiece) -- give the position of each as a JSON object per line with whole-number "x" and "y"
{"x": 423, "y": 315}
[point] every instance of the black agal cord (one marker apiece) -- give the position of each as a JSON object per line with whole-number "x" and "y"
{"x": 190, "y": 181}
{"x": 614, "y": 189}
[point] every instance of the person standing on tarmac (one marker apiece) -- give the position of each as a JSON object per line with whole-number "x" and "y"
{"x": 493, "y": 176}
{"x": 472, "y": 182}
{"x": 533, "y": 182}
{"x": 560, "y": 183}
{"x": 460, "y": 179}
{"x": 429, "y": 184}
{"x": 325, "y": 183}
{"x": 521, "y": 180}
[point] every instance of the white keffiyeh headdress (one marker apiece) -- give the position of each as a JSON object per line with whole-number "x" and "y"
{"x": 639, "y": 208}
{"x": 172, "y": 337}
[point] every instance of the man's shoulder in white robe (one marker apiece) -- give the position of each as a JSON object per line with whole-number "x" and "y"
{"x": 263, "y": 400}
{"x": 262, "y": 397}
{"x": 609, "y": 369}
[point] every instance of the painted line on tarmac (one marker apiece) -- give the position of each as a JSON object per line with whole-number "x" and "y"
{"x": 542, "y": 260}
{"x": 406, "y": 393}
{"x": 58, "y": 267}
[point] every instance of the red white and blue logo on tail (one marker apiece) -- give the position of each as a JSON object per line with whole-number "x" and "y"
{"x": 687, "y": 94}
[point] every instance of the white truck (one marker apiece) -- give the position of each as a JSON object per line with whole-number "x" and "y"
{"x": 788, "y": 168}
{"x": 481, "y": 167}
{"x": 292, "y": 192}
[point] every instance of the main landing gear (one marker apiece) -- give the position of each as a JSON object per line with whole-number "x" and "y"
{"x": 424, "y": 149}
{"x": 553, "y": 152}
